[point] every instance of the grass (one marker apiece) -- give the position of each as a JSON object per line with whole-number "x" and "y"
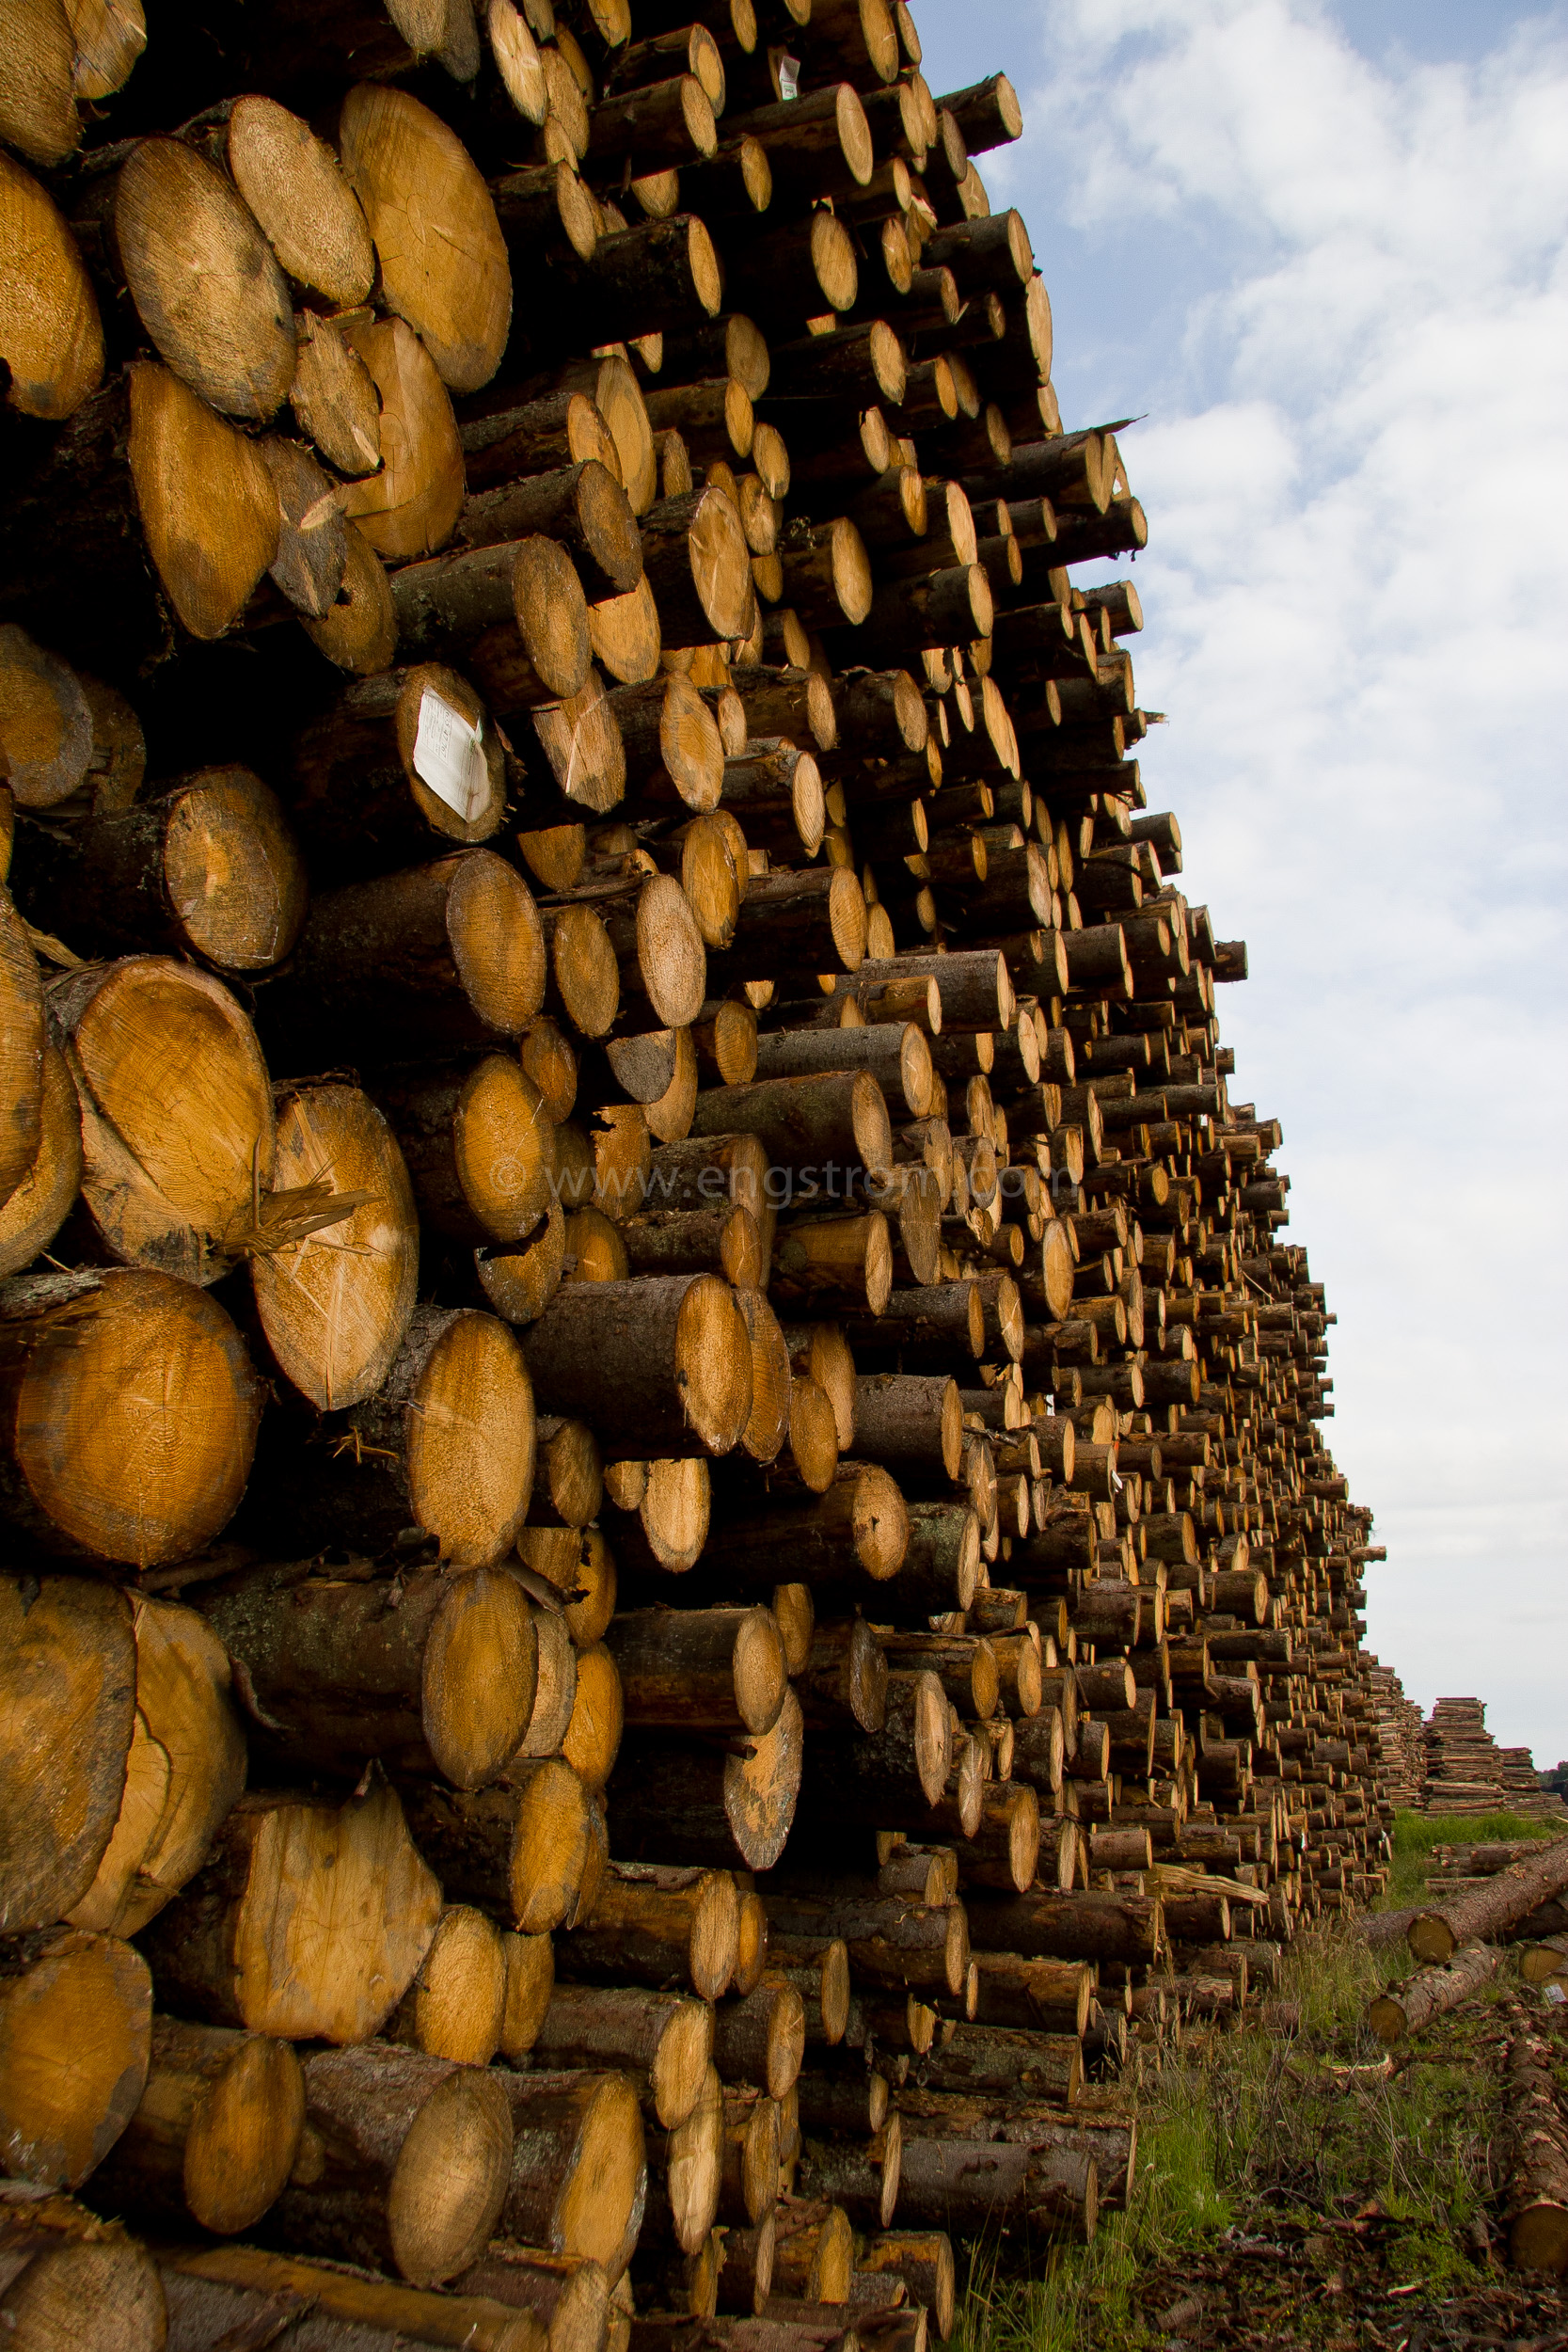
{"x": 1251, "y": 2132}
{"x": 1416, "y": 1834}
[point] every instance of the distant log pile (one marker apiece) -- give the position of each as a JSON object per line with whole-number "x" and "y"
{"x": 671, "y": 1569}
{"x": 1465, "y": 1770}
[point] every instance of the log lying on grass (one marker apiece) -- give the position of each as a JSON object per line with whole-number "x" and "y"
{"x": 1491, "y": 1907}
{"x": 1538, "y": 2168}
{"x": 1406, "y": 2008}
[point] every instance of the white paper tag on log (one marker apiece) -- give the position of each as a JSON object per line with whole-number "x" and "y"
{"x": 449, "y": 755}
{"x": 789, "y": 77}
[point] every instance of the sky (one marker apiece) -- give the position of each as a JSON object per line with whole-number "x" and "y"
{"x": 1324, "y": 253}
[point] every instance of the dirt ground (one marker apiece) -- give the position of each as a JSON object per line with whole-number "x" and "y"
{"x": 1333, "y": 2287}
{"x": 1345, "y": 2281}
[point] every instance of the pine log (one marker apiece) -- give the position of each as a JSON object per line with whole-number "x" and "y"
{"x": 480, "y": 1148}
{"x": 893, "y": 1945}
{"x": 334, "y": 1307}
{"x": 185, "y": 1768}
{"x": 674, "y": 1350}
{"x": 724, "y": 1241}
{"x": 206, "y": 866}
{"x": 1538, "y": 2177}
{"x": 442, "y": 260}
{"x": 518, "y": 1284}
{"x": 854, "y": 1535}
{"x": 308, "y": 1921}
{"x": 430, "y": 1673}
{"x": 569, "y": 1479}
{"x": 456, "y": 2006}
{"x": 408, "y": 507}
{"x": 76, "y": 2026}
{"x": 1004, "y": 1852}
{"x": 844, "y": 1682}
{"x": 924, "y": 2261}
{"x": 1071, "y": 1926}
{"x": 970, "y": 2184}
{"x": 699, "y": 568}
{"x": 665, "y": 2039}
{"x": 40, "y": 1203}
{"x": 118, "y": 1368}
{"x": 638, "y": 281}
{"x": 895, "y": 1054}
{"x": 240, "y": 2290}
{"x": 926, "y": 1327}
{"x": 688, "y": 2167}
{"x": 292, "y": 181}
{"x": 1047, "y": 1996}
{"x": 654, "y": 1923}
{"x": 794, "y": 272}
{"x": 814, "y": 2257}
{"x": 206, "y": 286}
{"x": 861, "y": 2176}
{"x": 675, "y": 753}
{"x": 988, "y": 2058}
{"x": 790, "y": 922}
{"x": 556, "y": 1686}
{"x": 749, "y": 2177}
{"x": 710, "y": 1806}
{"x": 445, "y": 1446}
{"x": 569, "y": 2295}
{"x": 1410, "y": 2006}
{"x": 711, "y": 1669}
{"x": 74, "y": 2279}
{"x": 405, "y": 2162}
{"x": 216, "y": 2133}
{"x": 50, "y": 337}
{"x": 579, "y": 2175}
{"x": 580, "y": 507}
{"x": 804, "y": 1123}
{"x": 312, "y": 537}
{"x": 334, "y": 398}
{"x": 435, "y": 960}
{"x": 143, "y": 467}
{"x": 68, "y": 1717}
{"x": 896, "y": 1773}
{"x": 519, "y": 1847}
{"x": 512, "y": 609}
{"x": 171, "y": 1184}
{"x": 1488, "y": 1909}
{"x": 400, "y": 764}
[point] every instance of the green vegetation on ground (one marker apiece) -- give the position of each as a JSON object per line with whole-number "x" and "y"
{"x": 1416, "y": 1834}
{"x": 1254, "y": 2131}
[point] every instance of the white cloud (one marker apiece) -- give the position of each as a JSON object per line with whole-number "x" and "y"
{"x": 1357, "y": 597}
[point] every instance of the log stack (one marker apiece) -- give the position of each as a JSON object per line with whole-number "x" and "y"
{"x": 672, "y": 1568}
{"x": 1467, "y": 1772}
{"x": 1402, "y": 1737}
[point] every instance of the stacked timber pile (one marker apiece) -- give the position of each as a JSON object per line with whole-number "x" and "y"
{"x": 1467, "y": 1772}
{"x": 1401, "y": 1737}
{"x": 671, "y": 1565}
{"x": 1528, "y": 1791}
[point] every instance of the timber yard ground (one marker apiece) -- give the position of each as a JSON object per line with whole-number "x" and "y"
{"x": 1306, "y": 2188}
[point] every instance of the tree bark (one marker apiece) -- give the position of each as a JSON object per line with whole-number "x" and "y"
{"x": 654, "y": 1922}
{"x": 430, "y": 1673}
{"x": 667, "y": 1359}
